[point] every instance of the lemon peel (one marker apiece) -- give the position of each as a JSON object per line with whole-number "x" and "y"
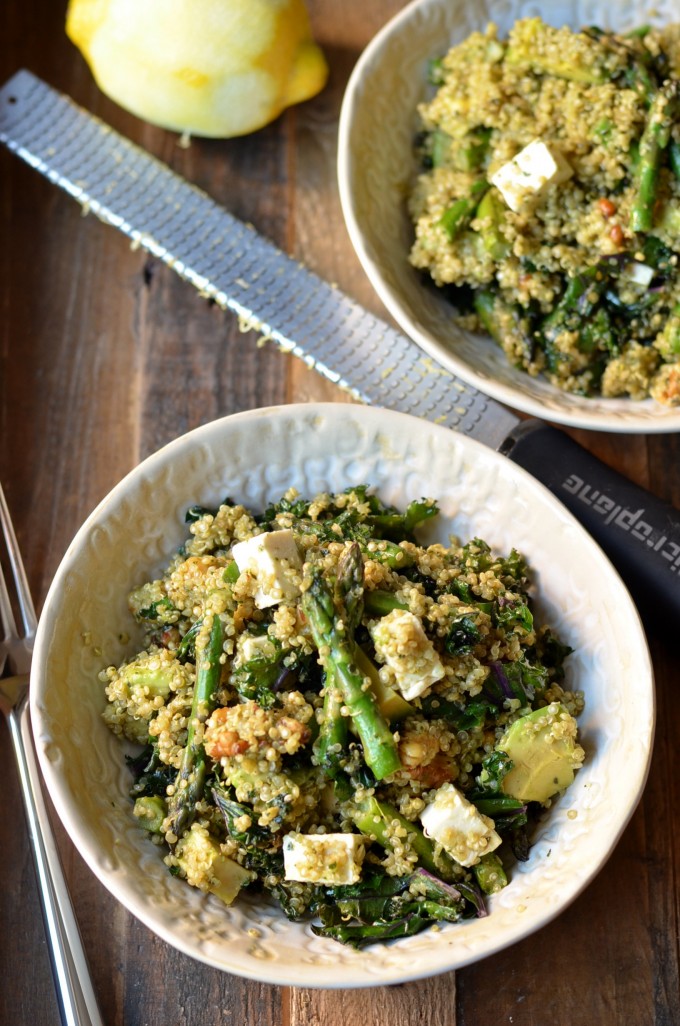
{"x": 215, "y": 68}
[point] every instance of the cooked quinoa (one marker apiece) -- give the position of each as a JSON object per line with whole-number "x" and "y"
{"x": 548, "y": 206}
{"x": 325, "y": 709}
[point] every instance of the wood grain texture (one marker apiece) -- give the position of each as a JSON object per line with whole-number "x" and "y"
{"x": 105, "y": 355}
{"x": 418, "y": 1004}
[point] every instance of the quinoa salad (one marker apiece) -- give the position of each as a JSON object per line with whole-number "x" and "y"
{"x": 548, "y": 203}
{"x": 328, "y": 713}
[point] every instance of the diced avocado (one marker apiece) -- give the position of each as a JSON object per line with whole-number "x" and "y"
{"x": 138, "y": 688}
{"x": 199, "y": 855}
{"x": 151, "y": 810}
{"x": 391, "y": 704}
{"x": 542, "y": 747}
{"x": 150, "y": 671}
{"x": 284, "y": 790}
{"x": 228, "y": 877}
{"x": 669, "y": 218}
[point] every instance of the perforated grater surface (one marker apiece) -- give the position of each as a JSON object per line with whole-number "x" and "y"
{"x": 231, "y": 263}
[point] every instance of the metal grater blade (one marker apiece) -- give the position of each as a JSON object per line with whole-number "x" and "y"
{"x": 231, "y": 263}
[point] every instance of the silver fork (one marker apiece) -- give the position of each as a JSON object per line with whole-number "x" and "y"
{"x": 75, "y": 995}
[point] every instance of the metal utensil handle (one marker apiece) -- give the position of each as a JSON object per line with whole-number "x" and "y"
{"x": 75, "y": 995}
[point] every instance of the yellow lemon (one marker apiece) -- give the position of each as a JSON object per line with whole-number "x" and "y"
{"x": 214, "y": 68}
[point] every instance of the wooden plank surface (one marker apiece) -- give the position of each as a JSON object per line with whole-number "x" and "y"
{"x": 104, "y": 356}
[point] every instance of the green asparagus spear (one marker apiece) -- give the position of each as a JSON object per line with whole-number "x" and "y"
{"x": 349, "y": 587}
{"x": 630, "y": 61}
{"x": 190, "y": 779}
{"x": 393, "y": 707}
{"x": 376, "y": 818}
{"x": 508, "y": 326}
{"x": 437, "y": 146}
{"x": 538, "y": 46}
{"x": 639, "y": 67}
{"x": 491, "y": 212}
{"x": 380, "y": 603}
{"x": 490, "y": 874}
{"x": 460, "y": 213}
{"x": 357, "y": 936}
{"x": 382, "y": 550}
{"x": 337, "y": 649}
{"x": 470, "y": 155}
{"x": 640, "y": 78}
{"x": 639, "y": 33}
{"x": 668, "y": 339}
{"x": 388, "y": 553}
{"x": 486, "y": 305}
{"x": 331, "y": 746}
{"x": 663, "y": 111}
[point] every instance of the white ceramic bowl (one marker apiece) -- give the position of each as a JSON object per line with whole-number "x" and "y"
{"x": 376, "y": 164}
{"x": 254, "y": 457}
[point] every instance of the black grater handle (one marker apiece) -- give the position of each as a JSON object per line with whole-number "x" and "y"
{"x": 639, "y": 533}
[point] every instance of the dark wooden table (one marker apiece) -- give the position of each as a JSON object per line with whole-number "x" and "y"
{"x": 105, "y": 355}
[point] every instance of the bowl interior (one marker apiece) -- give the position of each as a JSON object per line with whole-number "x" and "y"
{"x": 376, "y": 166}
{"x": 255, "y": 457}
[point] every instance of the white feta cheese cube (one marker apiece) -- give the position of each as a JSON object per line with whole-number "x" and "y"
{"x": 527, "y": 176}
{"x": 323, "y": 858}
{"x": 402, "y": 644}
{"x": 458, "y": 826}
{"x": 258, "y": 646}
{"x": 641, "y": 274}
{"x": 273, "y": 560}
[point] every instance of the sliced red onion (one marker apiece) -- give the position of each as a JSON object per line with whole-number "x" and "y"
{"x": 503, "y": 681}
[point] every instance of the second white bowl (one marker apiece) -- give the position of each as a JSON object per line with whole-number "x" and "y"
{"x": 376, "y": 163}
{"x": 254, "y": 458}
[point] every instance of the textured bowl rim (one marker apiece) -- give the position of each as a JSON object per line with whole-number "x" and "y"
{"x": 66, "y": 805}
{"x": 583, "y": 416}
